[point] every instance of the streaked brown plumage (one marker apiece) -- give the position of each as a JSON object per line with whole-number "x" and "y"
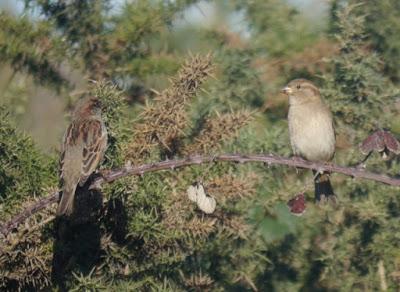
{"x": 311, "y": 130}
{"x": 85, "y": 142}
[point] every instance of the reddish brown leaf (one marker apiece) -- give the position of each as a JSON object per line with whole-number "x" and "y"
{"x": 297, "y": 205}
{"x": 391, "y": 143}
{"x": 374, "y": 142}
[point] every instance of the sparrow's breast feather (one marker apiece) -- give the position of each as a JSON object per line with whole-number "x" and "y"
{"x": 311, "y": 131}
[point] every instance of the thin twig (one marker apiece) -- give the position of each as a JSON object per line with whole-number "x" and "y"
{"x": 7, "y": 227}
{"x": 382, "y": 277}
{"x": 269, "y": 159}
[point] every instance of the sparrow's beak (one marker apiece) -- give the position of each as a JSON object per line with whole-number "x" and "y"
{"x": 286, "y": 90}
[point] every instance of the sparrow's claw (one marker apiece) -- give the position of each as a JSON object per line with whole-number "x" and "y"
{"x": 96, "y": 186}
{"x": 320, "y": 172}
{"x": 104, "y": 173}
{"x": 297, "y": 158}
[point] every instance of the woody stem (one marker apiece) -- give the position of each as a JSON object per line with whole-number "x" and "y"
{"x": 129, "y": 170}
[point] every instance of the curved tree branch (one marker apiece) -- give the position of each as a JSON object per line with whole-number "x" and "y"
{"x": 128, "y": 170}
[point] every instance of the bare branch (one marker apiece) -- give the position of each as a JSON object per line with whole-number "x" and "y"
{"x": 7, "y": 227}
{"x": 270, "y": 159}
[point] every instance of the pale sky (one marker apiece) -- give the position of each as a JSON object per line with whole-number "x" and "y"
{"x": 312, "y": 8}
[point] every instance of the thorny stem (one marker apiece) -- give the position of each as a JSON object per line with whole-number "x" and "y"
{"x": 128, "y": 170}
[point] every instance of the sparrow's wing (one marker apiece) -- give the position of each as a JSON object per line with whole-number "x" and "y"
{"x": 94, "y": 146}
{"x": 66, "y": 139}
{"x": 334, "y": 126}
{"x": 70, "y": 161}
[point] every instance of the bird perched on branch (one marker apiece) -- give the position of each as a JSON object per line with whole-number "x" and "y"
{"x": 311, "y": 131}
{"x": 84, "y": 145}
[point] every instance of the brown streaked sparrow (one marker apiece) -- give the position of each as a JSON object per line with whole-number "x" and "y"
{"x": 84, "y": 145}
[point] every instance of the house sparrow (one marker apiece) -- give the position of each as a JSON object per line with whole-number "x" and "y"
{"x": 85, "y": 142}
{"x": 311, "y": 131}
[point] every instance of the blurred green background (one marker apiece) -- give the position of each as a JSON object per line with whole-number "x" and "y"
{"x": 42, "y": 106}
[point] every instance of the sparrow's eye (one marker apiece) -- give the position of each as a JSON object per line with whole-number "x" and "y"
{"x": 298, "y": 86}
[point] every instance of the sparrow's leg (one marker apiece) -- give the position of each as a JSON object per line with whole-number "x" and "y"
{"x": 96, "y": 183}
{"x": 297, "y": 158}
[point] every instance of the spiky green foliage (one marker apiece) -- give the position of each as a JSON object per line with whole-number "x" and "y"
{"x": 25, "y": 174}
{"x": 24, "y": 170}
{"x": 381, "y": 28}
{"x": 279, "y": 27}
{"x": 142, "y": 233}
{"x": 31, "y": 47}
{"x": 164, "y": 121}
{"x": 358, "y": 91}
{"x": 362, "y": 99}
{"x": 116, "y": 45}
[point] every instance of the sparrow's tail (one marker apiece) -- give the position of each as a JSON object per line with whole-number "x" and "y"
{"x": 323, "y": 188}
{"x": 66, "y": 205}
